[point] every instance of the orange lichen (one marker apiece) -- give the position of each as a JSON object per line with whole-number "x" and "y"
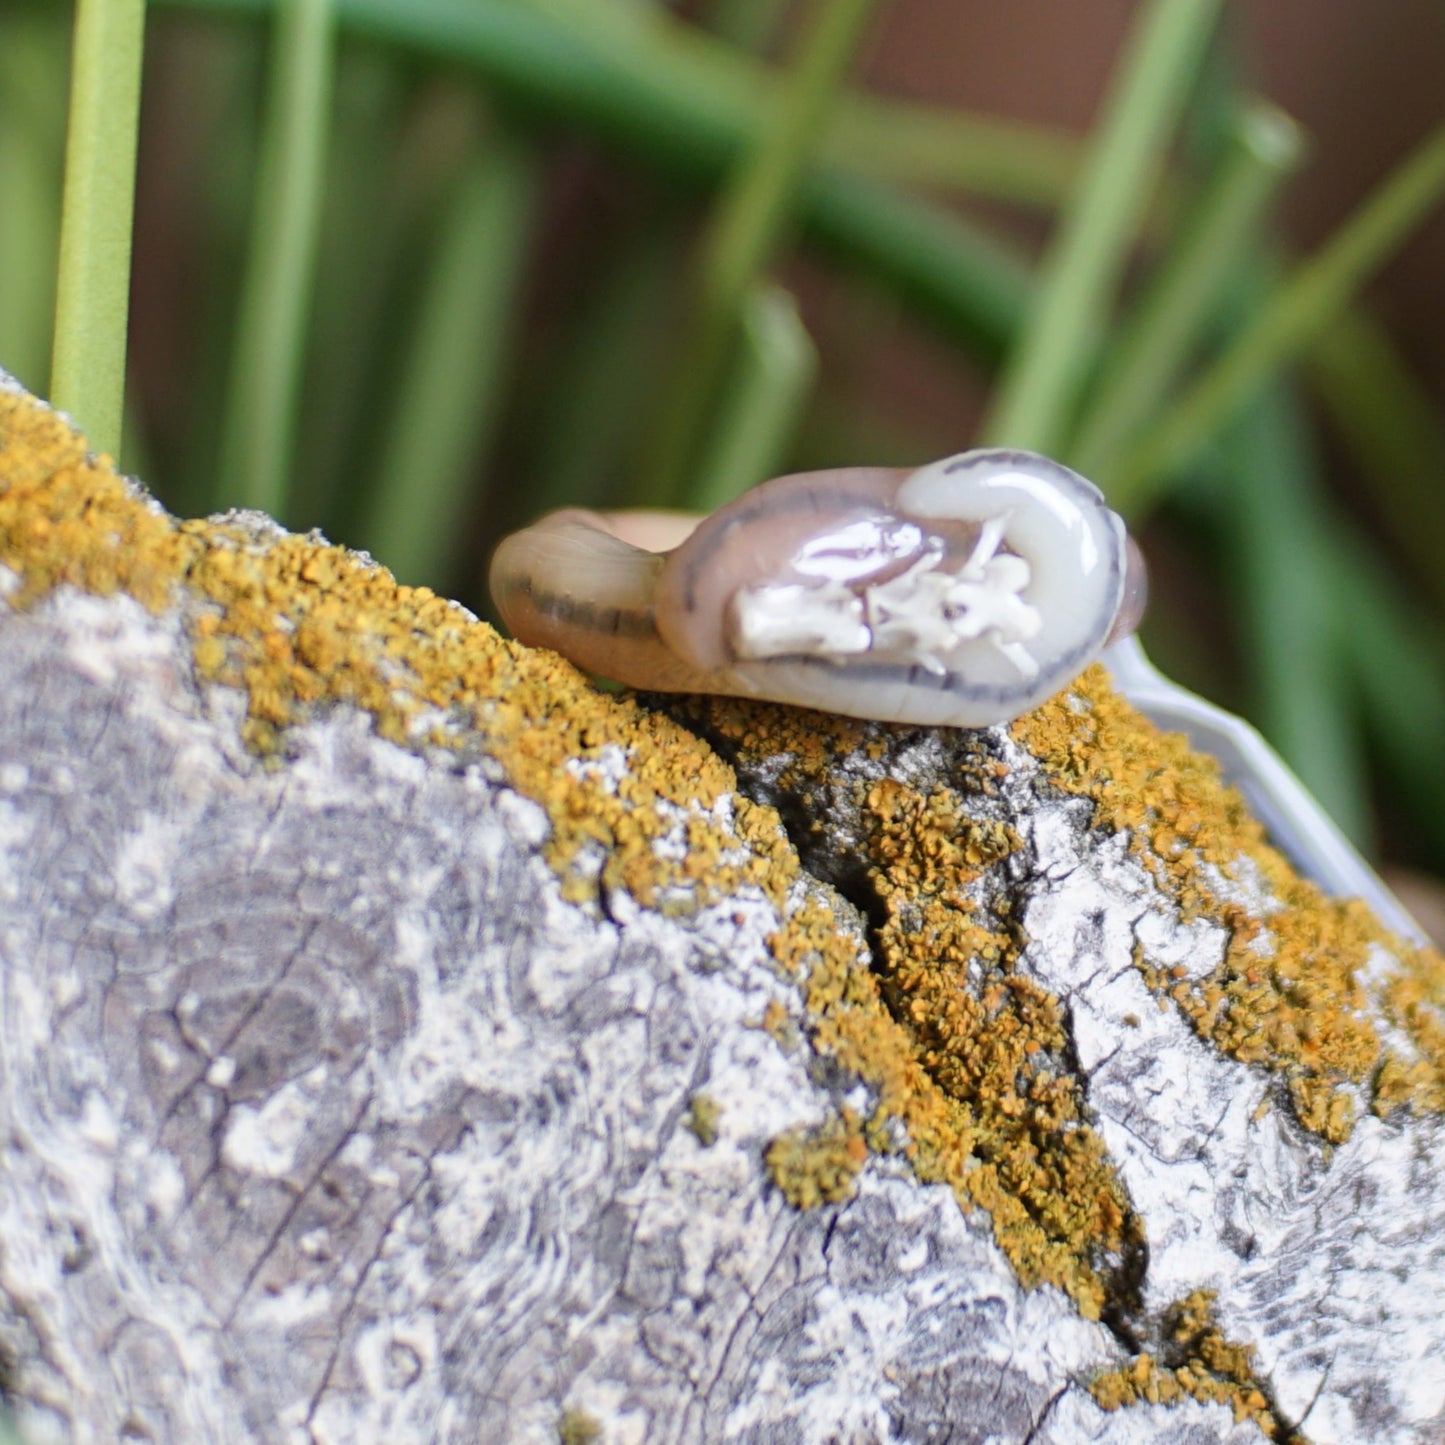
{"x": 296, "y": 623}
{"x": 578, "y": 1427}
{"x": 1295, "y": 991}
{"x": 990, "y": 1039}
{"x": 1196, "y": 1360}
{"x": 961, "y": 1048}
{"x": 703, "y": 1113}
{"x": 819, "y": 1165}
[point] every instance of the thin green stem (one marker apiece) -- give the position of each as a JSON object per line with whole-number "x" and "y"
{"x": 371, "y": 205}
{"x": 87, "y": 377}
{"x": 1262, "y": 146}
{"x": 670, "y": 91}
{"x": 1035, "y": 398}
{"x": 926, "y": 146}
{"x": 593, "y": 408}
{"x": 34, "y": 52}
{"x": 772, "y": 375}
{"x": 1296, "y": 313}
{"x": 684, "y": 103}
{"x": 747, "y": 25}
{"x": 758, "y": 196}
{"x": 1284, "y": 606}
{"x": 740, "y": 238}
{"x": 650, "y": 62}
{"x": 1392, "y": 426}
{"x": 1394, "y": 655}
{"x": 259, "y": 426}
{"x": 449, "y": 382}
{"x": 960, "y": 280}
{"x": 225, "y": 70}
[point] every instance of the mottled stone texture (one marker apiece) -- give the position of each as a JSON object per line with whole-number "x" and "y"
{"x": 326, "y": 1118}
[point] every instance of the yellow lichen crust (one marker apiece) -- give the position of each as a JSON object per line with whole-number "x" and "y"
{"x": 1197, "y": 1361}
{"x": 990, "y": 1040}
{"x": 962, "y": 1049}
{"x": 1301, "y": 991}
{"x": 297, "y": 624}
{"x": 818, "y": 1166}
{"x": 577, "y": 1427}
{"x": 703, "y": 1113}
{"x": 965, "y": 1054}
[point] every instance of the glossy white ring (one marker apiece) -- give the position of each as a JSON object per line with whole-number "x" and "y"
{"x": 960, "y": 594}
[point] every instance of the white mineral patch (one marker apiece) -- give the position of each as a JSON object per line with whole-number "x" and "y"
{"x": 316, "y": 1243}
{"x": 526, "y": 822}
{"x": 394, "y": 1355}
{"x": 165, "y": 1058}
{"x": 1242, "y": 884}
{"x": 1197, "y": 946}
{"x": 264, "y": 1141}
{"x": 608, "y": 765}
{"x": 1076, "y": 1420}
{"x": 165, "y": 1186}
{"x": 145, "y": 864}
{"x": 296, "y": 1307}
{"x": 98, "y": 1125}
{"x": 67, "y": 989}
{"x": 1234, "y": 1196}
{"x": 16, "y": 828}
{"x": 451, "y": 1191}
{"x": 112, "y": 635}
{"x": 221, "y": 1073}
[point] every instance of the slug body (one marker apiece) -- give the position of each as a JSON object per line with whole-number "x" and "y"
{"x": 960, "y": 594}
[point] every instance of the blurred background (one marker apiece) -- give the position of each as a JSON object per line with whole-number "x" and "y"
{"x": 412, "y": 271}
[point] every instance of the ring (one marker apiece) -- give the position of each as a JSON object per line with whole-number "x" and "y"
{"x": 960, "y": 594}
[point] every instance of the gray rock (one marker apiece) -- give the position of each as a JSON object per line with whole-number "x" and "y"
{"x": 326, "y": 1117}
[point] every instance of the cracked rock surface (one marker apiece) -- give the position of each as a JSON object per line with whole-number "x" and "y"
{"x": 437, "y": 1089}
{"x": 1327, "y": 1262}
{"x": 326, "y": 1118}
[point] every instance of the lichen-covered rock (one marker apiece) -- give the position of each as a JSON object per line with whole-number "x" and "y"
{"x": 402, "y": 1040}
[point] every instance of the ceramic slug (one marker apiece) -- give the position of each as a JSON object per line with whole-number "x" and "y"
{"x": 962, "y": 594}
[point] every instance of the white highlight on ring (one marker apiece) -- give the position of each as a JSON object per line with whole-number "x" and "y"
{"x": 963, "y": 593}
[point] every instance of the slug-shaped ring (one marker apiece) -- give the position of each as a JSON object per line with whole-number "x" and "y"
{"x": 961, "y": 594}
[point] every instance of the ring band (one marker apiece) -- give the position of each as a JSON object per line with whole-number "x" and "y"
{"x": 962, "y": 593}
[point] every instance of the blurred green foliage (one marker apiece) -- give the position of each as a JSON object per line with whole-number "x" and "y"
{"x": 448, "y": 262}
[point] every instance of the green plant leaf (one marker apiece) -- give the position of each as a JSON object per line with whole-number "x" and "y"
{"x": 92, "y": 300}
{"x": 259, "y": 426}
{"x": 1261, "y": 147}
{"x": 684, "y": 103}
{"x": 1035, "y": 397}
{"x": 744, "y": 230}
{"x": 1297, "y": 311}
{"x": 1283, "y": 587}
{"x": 1396, "y": 434}
{"x": 772, "y": 375}
{"x": 448, "y": 386}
